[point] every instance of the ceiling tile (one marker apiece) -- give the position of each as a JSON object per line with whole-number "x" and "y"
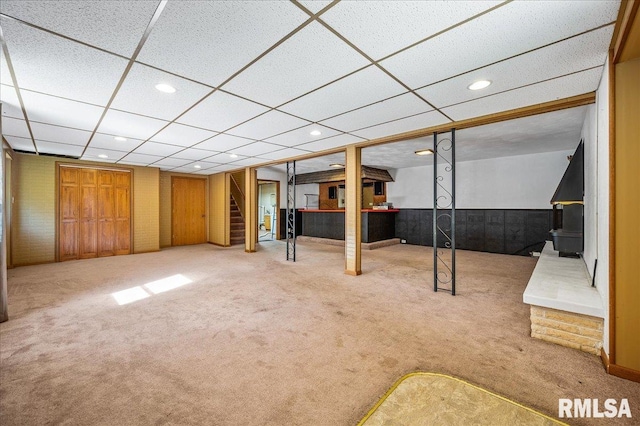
{"x": 203, "y": 172}
{"x": 312, "y": 57}
{"x": 138, "y": 93}
{"x": 139, "y": 159}
{"x": 284, "y": 153}
{"x": 420, "y": 121}
{"x": 130, "y": 125}
{"x": 477, "y": 43}
{"x": 330, "y": 143}
{"x": 170, "y": 163}
{"x": 563, "y": 87}
{"x": 256, "y": 149}
{"x": 390, "y": 109}
{"x": 268, "y": 125}
{"x": 57, "y": 134}
{"x": 41, "y": 63}
{"x": 224, "y": 158}
{"x": 221, "y": 111}
{"x": 575, "y": 54}
{"x": 224, "y": 168}
{"x": 210, "y": 41}
{"x": 45, "y": 147}
{"x": 185, "y": 169}
{"x": 102, "y": 141}
{"x": 193, "y": 154}
{"x": 21, "y": 144}
{"x": 15, "y": 127}
{"x": 359, "y": 89}
{"x": 246, "y": 162}
{"x": 114, "y": 26}
{"x": 92, "y": 154}
{"x": 5, "y": 74}
{"x": 319, "y": 163}
{"x": 178, "y": 134}
{"x": 223, "y": 142}
{"x": 10, "y": 103}
{"x": 380, "y": 28}
{"x": 302, "y": 135}
{"x": 60, "y": 112}
{"x": 315, "y": 6}
{"x": 154, "y": 148}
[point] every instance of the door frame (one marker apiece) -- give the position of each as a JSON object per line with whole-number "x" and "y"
{"x": 277, "y": 182}
{"x": 95, "y": 167}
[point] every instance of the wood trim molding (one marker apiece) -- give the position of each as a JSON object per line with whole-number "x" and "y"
{"x": 605, "y": 360}
{"x": 626, "y": 14}
{"x": 217, "y": 244}
{"x": 612, "y": 210}
{"x": 624, "y": 372}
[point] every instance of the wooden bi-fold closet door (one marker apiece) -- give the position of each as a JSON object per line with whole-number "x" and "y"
{"x": 95, "y": 213}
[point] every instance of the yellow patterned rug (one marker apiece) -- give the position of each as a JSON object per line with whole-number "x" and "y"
{"x": 437, "y": 399}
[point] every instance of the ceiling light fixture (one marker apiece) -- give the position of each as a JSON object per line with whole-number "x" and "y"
{"x": 103, "y": 156}
{"x": 336, "y": 165}
{"x": 197, "y": 166}
{"x": 315, "y": 133}
{"x": 480, "y": 84}
{"x": 233, "y": 156}
{"x": 165, "y": 88}
{"x": 424, "y": 152}
{"x": 120, "y": 139}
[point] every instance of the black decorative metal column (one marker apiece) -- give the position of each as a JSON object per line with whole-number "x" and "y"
{"x": 291, "y": 211}
{"x": 444, "y": 212}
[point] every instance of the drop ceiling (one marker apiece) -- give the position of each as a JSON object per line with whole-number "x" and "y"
{"x": 253, "y": 79}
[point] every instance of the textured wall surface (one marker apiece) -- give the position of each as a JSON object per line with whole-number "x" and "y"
{"x": 34, "y": 215}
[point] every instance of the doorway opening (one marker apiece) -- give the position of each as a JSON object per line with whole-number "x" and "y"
{"x": 268, "y": 210}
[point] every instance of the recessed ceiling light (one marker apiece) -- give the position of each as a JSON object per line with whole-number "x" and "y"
{"x": 424, "y": 152}
{"x": 103, "y": 156}
{"x": 480, "y": 84}
{"x": 233, "y": 156}
{"x": 336, "y": 165}
{"x": 120, "y": 139}
{"x": 165, "y": 88}
{"x": 197, "y": 166}
{"x": 315, "y": 133}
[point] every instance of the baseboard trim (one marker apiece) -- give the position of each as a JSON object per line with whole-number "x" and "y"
{"x": 146, "y": 251}
{"x": 218, "y": 244}
{"x": 605, "y": 360}
{"x": 44, "y": 262}
{"x": 353, "y": 273}
{"x": 624, "y": 372}
{"x": 249, "y": 251}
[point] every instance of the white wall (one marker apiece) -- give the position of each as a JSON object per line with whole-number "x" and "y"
{"x": 301, "y": 190}
{"x": 601, "y": 216}
{"x": 516, "y": 182}
{"x": 271, "y": 174}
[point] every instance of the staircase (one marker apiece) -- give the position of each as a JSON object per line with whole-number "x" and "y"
{"x": 237, "y": 224}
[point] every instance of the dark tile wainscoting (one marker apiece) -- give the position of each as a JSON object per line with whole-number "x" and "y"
{"x": 491, "y": 230}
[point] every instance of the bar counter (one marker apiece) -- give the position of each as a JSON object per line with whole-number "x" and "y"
{"x": 377, "y": 225}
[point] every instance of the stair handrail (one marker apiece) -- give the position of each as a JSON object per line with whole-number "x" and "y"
{"x": 238, "y": 195}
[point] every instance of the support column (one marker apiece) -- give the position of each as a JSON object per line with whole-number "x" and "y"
{"x": 352, "y": 213}
{"x": 250, "y": 209}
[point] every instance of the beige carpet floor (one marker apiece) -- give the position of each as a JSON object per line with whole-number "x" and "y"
{"x": 255, "y": 340}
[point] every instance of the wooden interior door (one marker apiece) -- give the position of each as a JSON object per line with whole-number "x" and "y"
{"x": 88, "y": 233}
{"x": 106, "y": 213}
{"x": 69, "y": 213}
{"x": 188, "y": 215}
{"x": 123, "y": 213}
{"x": 94, "y": 213}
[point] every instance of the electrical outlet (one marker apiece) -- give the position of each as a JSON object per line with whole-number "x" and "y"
{"x": 403, "y": 241}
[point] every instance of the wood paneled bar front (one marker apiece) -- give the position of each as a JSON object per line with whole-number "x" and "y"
{"x": 376, "y": 225}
